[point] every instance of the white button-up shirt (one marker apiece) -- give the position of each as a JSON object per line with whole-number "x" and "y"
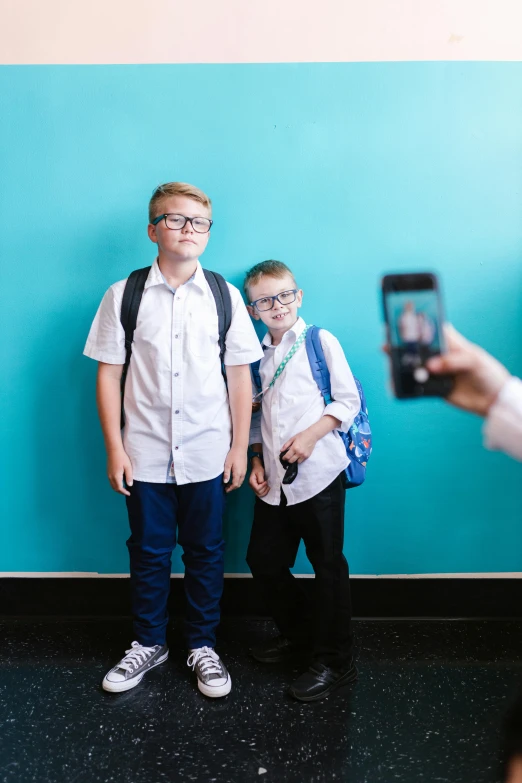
{"x": 175, "y": 397}
{"x": 293, "y": 404}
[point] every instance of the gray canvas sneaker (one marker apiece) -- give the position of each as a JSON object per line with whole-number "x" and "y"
{"x": 132, "y": 668}
{"x": 213, "y": 678}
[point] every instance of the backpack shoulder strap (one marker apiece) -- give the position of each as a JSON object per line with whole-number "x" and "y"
{"x": 130, "y": 304}
{"x": 221, "y": 294}
{"x": 256, "y": 375}
{"x": 318, "y": 366}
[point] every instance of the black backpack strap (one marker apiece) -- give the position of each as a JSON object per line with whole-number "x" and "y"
{"x": 221, "y": 294}
{"x": 130, "y": 304}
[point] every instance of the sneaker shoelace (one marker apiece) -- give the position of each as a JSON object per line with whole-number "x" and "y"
{"x": 135, "y": 657}
{"x": 207, "y": 660}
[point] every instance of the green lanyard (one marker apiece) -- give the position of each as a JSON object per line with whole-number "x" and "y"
{"x": 300, "y": 340}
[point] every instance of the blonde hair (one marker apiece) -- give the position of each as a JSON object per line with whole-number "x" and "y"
{"x": 176, "y": 189}
{"x": 266, "y": 269}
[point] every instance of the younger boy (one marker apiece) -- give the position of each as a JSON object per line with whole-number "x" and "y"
{"x": 294, "y": 420}
{"x": 184, "y": 438}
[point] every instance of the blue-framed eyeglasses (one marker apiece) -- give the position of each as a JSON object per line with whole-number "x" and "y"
{"x": 200, "y": 225}
{"x": 267, "y": 302}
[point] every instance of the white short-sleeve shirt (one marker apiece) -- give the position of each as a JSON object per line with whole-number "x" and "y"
{"x": 293, "y": 404}
{"x": 176, "y": 400}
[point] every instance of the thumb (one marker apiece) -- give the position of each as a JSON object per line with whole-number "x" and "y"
{"x": 128, "y": 474}
{"x": 450, "y": 363}
{"x": 460, "y": 356}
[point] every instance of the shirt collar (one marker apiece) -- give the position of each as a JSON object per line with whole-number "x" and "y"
{"x": 295, "y": 331}
{"x": 199, "y": 279}
{"x": 156, "y": 278}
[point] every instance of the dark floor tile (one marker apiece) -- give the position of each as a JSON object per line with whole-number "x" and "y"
{"x": 426, "y": 707}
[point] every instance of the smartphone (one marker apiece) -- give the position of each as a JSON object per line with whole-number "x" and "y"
{"x": 414, "y": 320}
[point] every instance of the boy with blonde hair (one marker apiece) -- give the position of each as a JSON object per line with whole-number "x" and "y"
{"x": 295, "y": 431}
{"x": 185, "y": 435}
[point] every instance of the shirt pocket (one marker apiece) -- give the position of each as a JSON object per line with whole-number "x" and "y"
{"x": 202, "y": 336}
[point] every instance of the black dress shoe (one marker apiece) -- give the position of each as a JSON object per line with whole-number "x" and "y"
{"x": 276, "y": 650}
{"x": 320, "y": 680}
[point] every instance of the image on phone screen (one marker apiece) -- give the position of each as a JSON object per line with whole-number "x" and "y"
{"x": 413, "y": 312}
{"x": 414, "y": 326}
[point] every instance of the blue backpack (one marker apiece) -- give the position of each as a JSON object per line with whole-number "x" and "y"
{"x": 358, "y": 439}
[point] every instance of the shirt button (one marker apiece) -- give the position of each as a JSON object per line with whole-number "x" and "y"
{"x": 176, "y": 374}
{"x": 176, "y": 448}
{"x": 176, "y": 411}
{"x": 176, "y": 336}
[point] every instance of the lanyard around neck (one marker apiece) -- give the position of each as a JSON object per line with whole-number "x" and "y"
{"x": 300, "y": 340}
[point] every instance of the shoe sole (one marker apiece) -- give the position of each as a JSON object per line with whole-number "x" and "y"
{"x": 349, "y": 677}
{"x": 127, "y": 685}
{"x": 216, "y": 692}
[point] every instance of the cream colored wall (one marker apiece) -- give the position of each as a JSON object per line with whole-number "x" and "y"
{"x": 238, "y": 31}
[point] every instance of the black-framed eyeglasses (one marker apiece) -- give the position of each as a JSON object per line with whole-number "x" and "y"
{"x": 267, "y": 302}
{"x": 200, "y": 225}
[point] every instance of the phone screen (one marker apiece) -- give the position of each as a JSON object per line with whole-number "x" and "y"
{"x": 413, "y": 312}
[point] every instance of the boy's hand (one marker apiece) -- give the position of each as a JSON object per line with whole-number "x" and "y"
{"x": 118, "y": 466}
{"x": 257, "y": 478}
{"x": 235, "y": 467}
{"x": 300, "y": 446}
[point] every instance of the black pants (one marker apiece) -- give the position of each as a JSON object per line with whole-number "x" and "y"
{"x": 325, "y": 622}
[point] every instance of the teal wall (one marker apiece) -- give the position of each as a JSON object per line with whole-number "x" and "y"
{"x": 344, "y": 172}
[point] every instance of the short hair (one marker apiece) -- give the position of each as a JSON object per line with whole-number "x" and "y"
{"x": 177, "y": 189}
{"x": 266, "y": 269}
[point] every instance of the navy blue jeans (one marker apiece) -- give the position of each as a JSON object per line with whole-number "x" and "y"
{"x": 157, "y": 512}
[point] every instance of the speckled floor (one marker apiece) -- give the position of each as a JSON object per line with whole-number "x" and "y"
{"x": 427, "y": 707}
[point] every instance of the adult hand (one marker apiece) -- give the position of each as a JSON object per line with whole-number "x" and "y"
{"x": 478, "y": 376}
{"x": 235, "y": 468}
{"x": 118, "y": 466}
